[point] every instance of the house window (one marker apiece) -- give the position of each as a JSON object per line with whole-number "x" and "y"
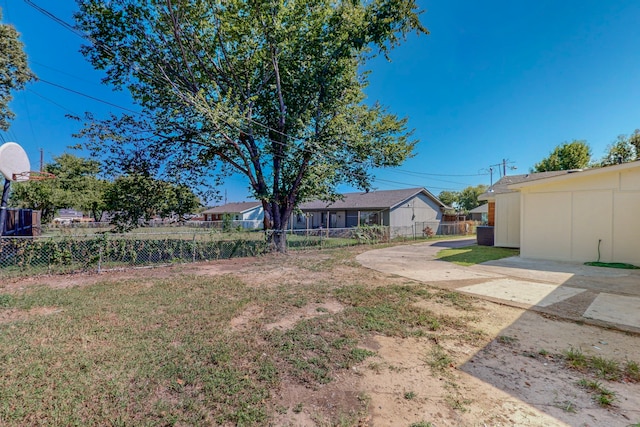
{"x": 369, "y": 218}
{"x": 351, "y": 219}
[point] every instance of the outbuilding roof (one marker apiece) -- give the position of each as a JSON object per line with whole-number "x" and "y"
{"x": 383, "y": 199}
{"x": 579, "y": 173}
{"x": 480, "y": 209}
{"x": 502, "y": 185}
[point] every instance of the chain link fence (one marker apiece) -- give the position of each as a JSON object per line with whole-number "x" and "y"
{"x": 427, "y": 229}
{"x": 24, "y": 256}
{"x": 64, "y": 254}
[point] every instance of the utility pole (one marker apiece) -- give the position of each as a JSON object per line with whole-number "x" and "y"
{"x": 41, "y": 160}
{"x": 502, "y": 167}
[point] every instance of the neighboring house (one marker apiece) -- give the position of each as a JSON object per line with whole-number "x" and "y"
{"x": 68, "y": 216}
{"x": 503, "y": 207}
{"x": 480, "y": 213}
{"x": 399, "y": 209}
{"x": 250, "y": 213}
{"x": 579, "y": 216}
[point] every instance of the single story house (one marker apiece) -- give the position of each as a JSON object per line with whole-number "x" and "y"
{"x": 250, "y": 213}
{"x": 479, "y": 213}
{"x": 405, "y": 211}
{"x": 584, "y": 215}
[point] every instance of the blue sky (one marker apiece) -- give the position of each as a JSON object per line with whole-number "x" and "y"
{"x": 498, "y": 79}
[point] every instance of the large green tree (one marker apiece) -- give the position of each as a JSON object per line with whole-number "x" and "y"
{"x": 468, "y": 197}
{"x": 135, "y": 200}
{"x": 270, "y": 89}
{"x": 569, "y": 155}
{"x": 76, "y": 185}
{"x": 14, "y": 70}
{"x": 449, "y": 198}
{"x": 624, "y": 149}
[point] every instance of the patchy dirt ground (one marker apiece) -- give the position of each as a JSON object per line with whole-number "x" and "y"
{"x": 505, "y": 375}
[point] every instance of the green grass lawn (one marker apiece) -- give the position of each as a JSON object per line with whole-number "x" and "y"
{"x": 475, "y": 254}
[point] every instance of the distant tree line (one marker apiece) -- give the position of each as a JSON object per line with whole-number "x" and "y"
{"x": 577, "y": 154}
{"x": 130, "y": 199}
{"x": 464, "y": 200}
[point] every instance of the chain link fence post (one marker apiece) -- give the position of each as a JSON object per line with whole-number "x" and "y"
{"x": 193, "y": 250}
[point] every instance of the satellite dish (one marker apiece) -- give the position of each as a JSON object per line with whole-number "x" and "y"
{"x": 14, "y": 162}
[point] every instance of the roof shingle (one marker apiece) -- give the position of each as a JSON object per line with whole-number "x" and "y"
{"x": 233, "y": 207}
{"x": 384, "y": 199}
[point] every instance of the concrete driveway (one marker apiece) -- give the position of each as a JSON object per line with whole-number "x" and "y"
{"x": 604, "y": 296}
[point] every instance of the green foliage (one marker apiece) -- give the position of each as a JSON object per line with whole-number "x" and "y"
{"x": 38, "y": 195}
{"x": 227, "y": 222}
{"x": 624, "y": 149}
{"x": 76, "y": 185}
{"x": 576, "y": 358}
{"x": 632, "y": 370}
{"x": 388, "y": 310}
{"x": 14, "y": 70}
{"x": 449, "y": 198}
{"x": 603, "y": 396}
{"x": 72, "y": 254}
{"x": 136, "y": 198}
{"x": 507, "y": 340}
{"x": 371, "y": 233}
{"x": 273, "y": 91}
{"x": 605, "y": 368}
{"x": 6, "y": 301}
{"x": 315, "y": 348}
{"x": 468, "y": 198}
{"x": 439, "y": 360}
{"x": 570, "y": 155}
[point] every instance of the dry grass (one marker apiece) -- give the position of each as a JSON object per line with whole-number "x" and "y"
{"x": 149, "y": 350}
{"x": 190, "y": 349}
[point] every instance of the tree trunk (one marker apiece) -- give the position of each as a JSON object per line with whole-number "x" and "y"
{"x": 275, "y": 227}
{"x": 278, "y": 241}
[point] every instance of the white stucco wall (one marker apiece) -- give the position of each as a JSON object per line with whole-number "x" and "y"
{"x": 566, "y": 219}
{"x": 507, "y": 220}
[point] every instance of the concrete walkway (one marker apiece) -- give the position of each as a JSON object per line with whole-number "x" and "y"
{"x": 607, "y": 297}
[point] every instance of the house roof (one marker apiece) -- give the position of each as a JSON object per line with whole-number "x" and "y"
{"x": 385, "y": 199}
{"x": 233, "y": 207}
{"x": 504, "y": 183}
{"x": 578, "y": 173}
{"x": 480, "y": 209}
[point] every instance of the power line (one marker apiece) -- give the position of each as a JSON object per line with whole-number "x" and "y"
{"x": 65, "y": 73}
{"x": 55, "y": 18}
{"x": 89, "y": 96}
{"x": 26, "y": 105}
{"x": 411, "y": 184}
{"x": 52, "y": 101}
